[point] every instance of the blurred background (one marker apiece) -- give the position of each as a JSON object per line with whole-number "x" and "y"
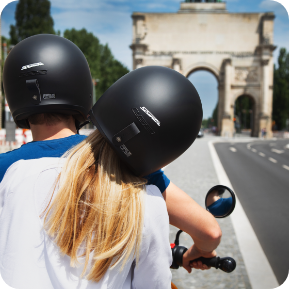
{"x": 103, "y": 31}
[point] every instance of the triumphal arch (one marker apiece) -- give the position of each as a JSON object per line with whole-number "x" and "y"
{"x": 236, "y": 47}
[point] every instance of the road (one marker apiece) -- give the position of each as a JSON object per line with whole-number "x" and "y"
{"x": 194, "y": 173}
{"x": 259, "y": 173}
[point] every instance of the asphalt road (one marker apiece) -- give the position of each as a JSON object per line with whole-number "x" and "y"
{"x": 259, "y": 173}
{"x": 194, "y": 172}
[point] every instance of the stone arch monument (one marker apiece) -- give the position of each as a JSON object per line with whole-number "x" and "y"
{"x": 235, "y": 47}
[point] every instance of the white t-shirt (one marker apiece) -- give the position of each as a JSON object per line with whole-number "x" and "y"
{"x": 29, "y": 258}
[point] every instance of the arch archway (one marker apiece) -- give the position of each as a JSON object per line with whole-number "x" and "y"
{"x": 206, "y": 83}
{"x": 200, "y": 37}
{"x": 202, "y": 66}
{"x": 244, "y": 115}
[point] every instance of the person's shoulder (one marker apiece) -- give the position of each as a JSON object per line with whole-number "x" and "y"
{"x": 22, "y": 169}
{"x": 35, "y": 165}
{"x": 153, "y": 190}
{"x": 158, "y": 179}
{"x": 76, "y": 138}
{"x": 155, "y": 205}
{"x": 9, "y": 158}
{"x": 9, "y": 154}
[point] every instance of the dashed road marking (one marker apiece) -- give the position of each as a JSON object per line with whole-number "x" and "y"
{"x": 287, "y": 146}
{"x": 262, "y": 155}
{"x": 272, "y": 144}
{"x": 277, "y": 151}
{"x": 254, "y": 151}
{"x": 285, "y": 167}
{"x": 248, "y": 146}
{"x": 272, "y": 160}
{"x": 233, "y": 149}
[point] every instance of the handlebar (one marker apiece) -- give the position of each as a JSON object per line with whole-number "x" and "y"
{"x": 226, "y": 264}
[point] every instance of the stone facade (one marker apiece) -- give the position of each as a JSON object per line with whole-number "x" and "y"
{"x": 236, "y": 47}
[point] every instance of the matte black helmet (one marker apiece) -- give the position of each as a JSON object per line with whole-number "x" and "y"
{"x": 47, "y": 74}
{"x": 150, "y": 117}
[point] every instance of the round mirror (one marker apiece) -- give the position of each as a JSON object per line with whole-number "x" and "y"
{"x": 220, "y": 201}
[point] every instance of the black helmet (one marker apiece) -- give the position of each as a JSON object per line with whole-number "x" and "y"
{"x": 47, "y": 74}
{"x": 150, "y": 117}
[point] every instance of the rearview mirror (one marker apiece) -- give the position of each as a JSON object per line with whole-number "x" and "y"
{"x": 220, "y": 201}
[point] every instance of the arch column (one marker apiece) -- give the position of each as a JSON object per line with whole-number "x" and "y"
{"x": 265, "y": 119}
{"x": 177, "y": 64}
{"x": 227, "y": 123}
{"x": 138, "y": 63}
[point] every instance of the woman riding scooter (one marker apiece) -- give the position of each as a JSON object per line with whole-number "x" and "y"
{"x": 103, "y": 227}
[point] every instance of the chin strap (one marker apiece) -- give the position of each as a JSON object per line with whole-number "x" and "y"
{"x": 80, "y": 125}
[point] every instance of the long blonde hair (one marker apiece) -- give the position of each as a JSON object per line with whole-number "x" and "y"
{"x": 98, "y": 207}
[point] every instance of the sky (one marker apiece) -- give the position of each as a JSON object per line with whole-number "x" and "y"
{"x": 111, "y": 22}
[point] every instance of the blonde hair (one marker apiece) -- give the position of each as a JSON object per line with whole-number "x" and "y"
{"x": 99, "y": 207}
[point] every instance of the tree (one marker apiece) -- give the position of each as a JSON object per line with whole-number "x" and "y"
{"x": 215, "y": 114}
{"x": 32, "y": 17}
{"x": 205, "y": 123}
{"x": 281, "y": 90}
{"x": 110, "y": 69}
{"x": 244, "y": 111}
{"x": 90, "y": 47}
{"x": 103, "y": 66}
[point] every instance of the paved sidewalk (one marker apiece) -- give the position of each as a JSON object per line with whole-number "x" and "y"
{"x": 195, "y": 174}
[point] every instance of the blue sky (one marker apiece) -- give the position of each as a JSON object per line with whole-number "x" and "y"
{"x": 110, "y": 21}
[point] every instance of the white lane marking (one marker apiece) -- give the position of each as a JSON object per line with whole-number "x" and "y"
{"x": 277, "y": 151}
{"x": 272, "y": 160}
{"x": 262, "y": 155}
{"x": 285, "y": 167}
{"x": 248, "y": 146}
{"x": 253, "y": 255}
{"x": 254, "y": 151}
{"x": 233, "y": 149}
{"x": 287, "y": 146}
{"x": 272, "y": 144}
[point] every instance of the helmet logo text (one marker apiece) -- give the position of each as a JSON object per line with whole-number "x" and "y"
{"x": 31, "y": 65}
{"x": 151, "y": 115}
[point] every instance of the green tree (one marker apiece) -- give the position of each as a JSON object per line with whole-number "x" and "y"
{"x": 103, "y": 66}
{"x": 244, "y": 111}
{"x": 215, "y": 115}
{"x": 32, "y": 17}
{"x": 110, "y": 70}
{"x": 281, "y": 90}
{"x": 205, "y": 123}
{"x": 90, "y": 47}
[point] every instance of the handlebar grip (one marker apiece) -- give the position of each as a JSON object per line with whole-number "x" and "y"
{"x": 210, "y": 262}
{"x": 178, "y": 252}
{"x": 226, "y": 264}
